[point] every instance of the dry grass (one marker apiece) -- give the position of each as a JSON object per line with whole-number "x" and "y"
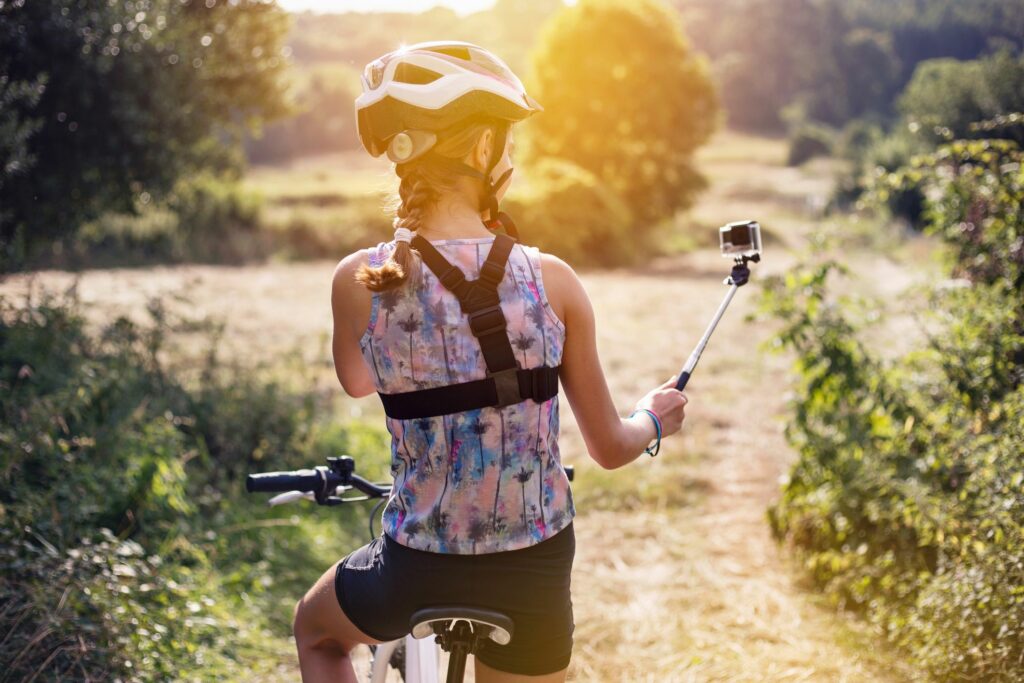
{"x": 676, "y": 576}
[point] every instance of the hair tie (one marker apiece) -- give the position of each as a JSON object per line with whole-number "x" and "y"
{"x": 403, "y": 235}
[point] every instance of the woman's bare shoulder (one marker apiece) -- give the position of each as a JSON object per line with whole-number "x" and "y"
{"x": 562, "y": 285}
{"x": 345, "y": 271}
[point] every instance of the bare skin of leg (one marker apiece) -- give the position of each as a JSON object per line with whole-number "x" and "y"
{"x": 324, "y": 635}
{"x": 485, "y": 674}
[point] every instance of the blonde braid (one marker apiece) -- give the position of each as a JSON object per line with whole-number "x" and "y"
{"x": 422, "y": 183}
{"x": 417, "y": 195}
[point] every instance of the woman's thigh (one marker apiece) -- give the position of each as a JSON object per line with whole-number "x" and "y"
{"x": 319, "y": 619}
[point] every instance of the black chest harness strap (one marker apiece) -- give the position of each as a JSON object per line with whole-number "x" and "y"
{"x": 506, "y": 383}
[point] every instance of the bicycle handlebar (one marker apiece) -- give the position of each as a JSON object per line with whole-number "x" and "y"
{"x": 276, "y": 482}
{"x": 326, "y": 482}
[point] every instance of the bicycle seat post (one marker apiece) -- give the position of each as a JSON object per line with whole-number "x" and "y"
{"x": 461, "y": 630}
{"x": 460, "y": 643}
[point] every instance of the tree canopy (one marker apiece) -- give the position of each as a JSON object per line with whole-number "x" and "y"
{"x": 112, "y": 102}
{"x": 624, "y": 98}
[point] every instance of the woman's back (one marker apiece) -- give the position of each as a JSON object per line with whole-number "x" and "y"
{"x": 484, "y": 489}
{"x": 478, "y": 481}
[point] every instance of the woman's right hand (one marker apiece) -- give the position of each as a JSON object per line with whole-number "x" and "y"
{"x": 668, "y": 403}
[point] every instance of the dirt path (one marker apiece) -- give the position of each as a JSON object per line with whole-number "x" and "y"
{"x": 676, "y": 576}
{"x": 690, "y": 585}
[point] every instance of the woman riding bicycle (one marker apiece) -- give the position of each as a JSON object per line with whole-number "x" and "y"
{"x": 481, "y": 511}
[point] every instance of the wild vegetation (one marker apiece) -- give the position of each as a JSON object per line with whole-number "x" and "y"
{"x": 84, "y": 89}
{"x": 130, "y": 550}
{"x": 907, "y": 501}
{"x": 127, "y": 548}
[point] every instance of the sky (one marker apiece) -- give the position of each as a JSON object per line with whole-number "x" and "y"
{"x": 460, "y": 6}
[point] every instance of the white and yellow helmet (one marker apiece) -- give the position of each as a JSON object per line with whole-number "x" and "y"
{"x": 427, "y": 87}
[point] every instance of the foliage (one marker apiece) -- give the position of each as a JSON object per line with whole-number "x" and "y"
{"x": 128, "y": 548}
{"x": 836, "y": 60}
{"x": 872, "y": 169}
{"x": 907, "y": 500}
{"x": 327, "y": 69}
{"x": 105, "y": 74}
{"x": 563, "y": 195}
{"x": 945, "y": 99}
{"x": 15, "y": 131}
{"x": 808, "y": 142}
{"x": 946, "y": 96}
{"x": 324, "y": 120}
{"x": 626, "y": 100}
{"x": 204, "y": 218}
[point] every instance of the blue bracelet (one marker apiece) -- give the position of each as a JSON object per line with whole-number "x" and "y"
{"x": 657, "y": 426}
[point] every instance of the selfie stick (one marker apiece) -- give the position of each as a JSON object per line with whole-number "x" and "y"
{"x": 750, "y": 237}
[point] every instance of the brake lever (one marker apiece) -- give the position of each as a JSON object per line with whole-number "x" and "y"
{"x": 292, "y": 496}
{"x": 289, "y": 497}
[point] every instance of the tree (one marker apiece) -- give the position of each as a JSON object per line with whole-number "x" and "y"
{"x": 625, "y": 99}
{"x": 945, "y": 96}
{"x": 15, "y": 130}
{"x": 137, "y": 94}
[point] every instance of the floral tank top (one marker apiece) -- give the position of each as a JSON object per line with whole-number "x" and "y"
{"x": 484, "y": 480}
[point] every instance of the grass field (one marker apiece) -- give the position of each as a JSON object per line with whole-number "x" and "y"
{"x": 676, "y": 575}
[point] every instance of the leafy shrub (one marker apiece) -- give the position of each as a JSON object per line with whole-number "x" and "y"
{"x": 946, "y": 96}
{"x": 569, "y": 212}
{"x": 882, "y": 156}
{"x": 906, "y": 500}
{"x": 128, "y": 548}
{"x": 809, "y": 142}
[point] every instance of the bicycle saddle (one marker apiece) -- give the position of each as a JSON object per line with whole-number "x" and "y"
{"x": 485, "y": 622}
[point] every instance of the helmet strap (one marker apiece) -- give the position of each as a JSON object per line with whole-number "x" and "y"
{"x": 489, "y": 202}
{"x": 503, "y": 223}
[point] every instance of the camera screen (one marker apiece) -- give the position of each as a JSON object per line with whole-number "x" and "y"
{"x": 739, "y": 235}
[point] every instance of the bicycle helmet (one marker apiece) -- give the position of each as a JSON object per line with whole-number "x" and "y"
{"x": 412, "y": 96}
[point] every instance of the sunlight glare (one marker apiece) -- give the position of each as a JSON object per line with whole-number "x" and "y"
{"x": 461, "y": 7}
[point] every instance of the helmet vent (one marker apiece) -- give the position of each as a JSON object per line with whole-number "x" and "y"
{"x": 417, "y": 75}
{"x": 453, "y": 51}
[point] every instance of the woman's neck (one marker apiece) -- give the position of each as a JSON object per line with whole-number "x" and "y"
{"x": 453, "y": 221}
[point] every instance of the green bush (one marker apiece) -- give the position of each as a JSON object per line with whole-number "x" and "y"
{"x": 207, "y": 218}
{"x": 128, "y": 547}
{"x": 809, "y": 142}
{"x": 946, "y": 96}
{"x": 873, "y": 157}
{"x": 906, "y": 500}
{"x": 569, "y": 212}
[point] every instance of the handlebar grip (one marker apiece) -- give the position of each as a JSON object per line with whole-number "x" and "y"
{"x": 273, "y": 482}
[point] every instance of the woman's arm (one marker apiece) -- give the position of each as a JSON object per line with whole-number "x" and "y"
{"x": 611, "y": 440}
{"x": 351, "y": 303}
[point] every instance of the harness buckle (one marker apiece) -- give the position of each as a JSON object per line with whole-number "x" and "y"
{"x": 506, "y": 383}
{"x": 492, "y": 273}
{"x": 487, "y": 321}
{"x": 452, "y": 278}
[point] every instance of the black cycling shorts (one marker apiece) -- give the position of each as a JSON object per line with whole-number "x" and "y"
{"x": 380, "y": 585}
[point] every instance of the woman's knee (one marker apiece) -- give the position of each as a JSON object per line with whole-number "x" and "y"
{"x": 304, "y": 623}
{"x": 313, "y": 616}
